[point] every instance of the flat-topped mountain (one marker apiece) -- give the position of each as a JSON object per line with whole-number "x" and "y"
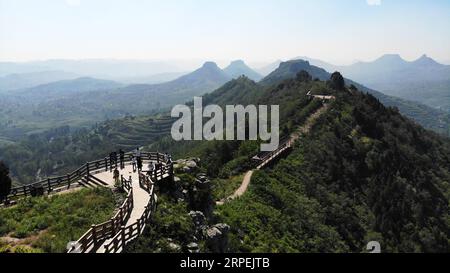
{"x": 290, "y": 69}
{"x": 239, "y": 68}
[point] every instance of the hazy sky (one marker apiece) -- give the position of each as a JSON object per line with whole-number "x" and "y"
{"x": 339, "y": 31}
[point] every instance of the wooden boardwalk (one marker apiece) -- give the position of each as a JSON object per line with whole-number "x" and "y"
{"x": 134, "y": 213}
{"x": 140, "y": 196}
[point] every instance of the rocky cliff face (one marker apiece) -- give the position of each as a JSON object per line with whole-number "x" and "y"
{"x": 192, "y": 187}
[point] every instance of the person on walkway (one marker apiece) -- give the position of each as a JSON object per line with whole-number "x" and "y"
{"x": 137, "y": 153}
{"x": 116, "y": 176}
{"x": 122, "y": 158}
{"x": 111, "y": 161}
{"x": 134, "y": 163}
{"x": 151, "y": 169}
{"x": 139, "y": 163}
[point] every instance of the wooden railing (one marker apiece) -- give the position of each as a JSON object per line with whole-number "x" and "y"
{"x": 131, "y": 232}
{"x": 264, "y": 157}
{"x": 68, "y": 180}
{"x": 126, "y": 184}
{"x": 99, "y": 233}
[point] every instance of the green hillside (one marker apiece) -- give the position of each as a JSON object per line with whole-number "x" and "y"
{"x": 63, "y": 150}
{"x": 364, "y": 173}
{"x": 47, "y": 224}
{"x": 361, "y": 170}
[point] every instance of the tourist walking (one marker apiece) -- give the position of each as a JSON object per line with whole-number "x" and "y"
{"x": 151, "y": 169}
{"x": 134, "y": 163}
{"x": 122, "y": 158}
{"x": 137, "y": 153}
{"x": 139, "y": 163}
{"x": 116, "y": 176}
{"x": 112, "y": 160}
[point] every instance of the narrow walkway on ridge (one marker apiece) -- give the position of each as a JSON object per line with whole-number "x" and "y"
{"x": 287, "y": 144}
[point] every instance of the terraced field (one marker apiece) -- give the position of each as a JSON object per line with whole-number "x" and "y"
{"x": 131, "y": 132}
{"x": 39, "y": 153}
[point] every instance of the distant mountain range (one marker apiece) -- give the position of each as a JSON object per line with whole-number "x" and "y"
{"x": 98, "y": 68}
{"x": 68, "y": 102}
{"x": 84, "y": 101}
{"x": 239, "y": 68}
{"x": 153, "y": 79}
{"x": 428, "y": 117}
{"x": 26, "y": 80}
{"x": 59, "y": 89}
{"x": 423, "y": 80}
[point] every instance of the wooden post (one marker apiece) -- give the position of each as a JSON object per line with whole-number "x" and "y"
{"x": 49, "y": 185}
{"x": 123, "y": 236}
{"x": 106, "y": 164}
{"x": 139, "y": 226}
{"x": 87, "y": 168}
{"x": 94, "y": 235}
{"x": 68, "y": 180}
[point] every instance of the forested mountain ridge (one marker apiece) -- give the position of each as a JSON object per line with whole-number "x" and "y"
{"x": 426, "y": 116}
{"x": 363, "y": 173}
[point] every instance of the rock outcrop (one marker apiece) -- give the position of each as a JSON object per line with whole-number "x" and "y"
{"x": 217, "y": 238}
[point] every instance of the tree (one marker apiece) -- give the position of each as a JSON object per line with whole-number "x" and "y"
{"x": 337, "y": 82}
{"x": 5, "y": 181}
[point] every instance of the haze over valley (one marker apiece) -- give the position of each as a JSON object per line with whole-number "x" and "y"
{"x": 90, "y": 160}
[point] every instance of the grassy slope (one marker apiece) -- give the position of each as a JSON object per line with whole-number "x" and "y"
{"x": 48, "y": 224}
